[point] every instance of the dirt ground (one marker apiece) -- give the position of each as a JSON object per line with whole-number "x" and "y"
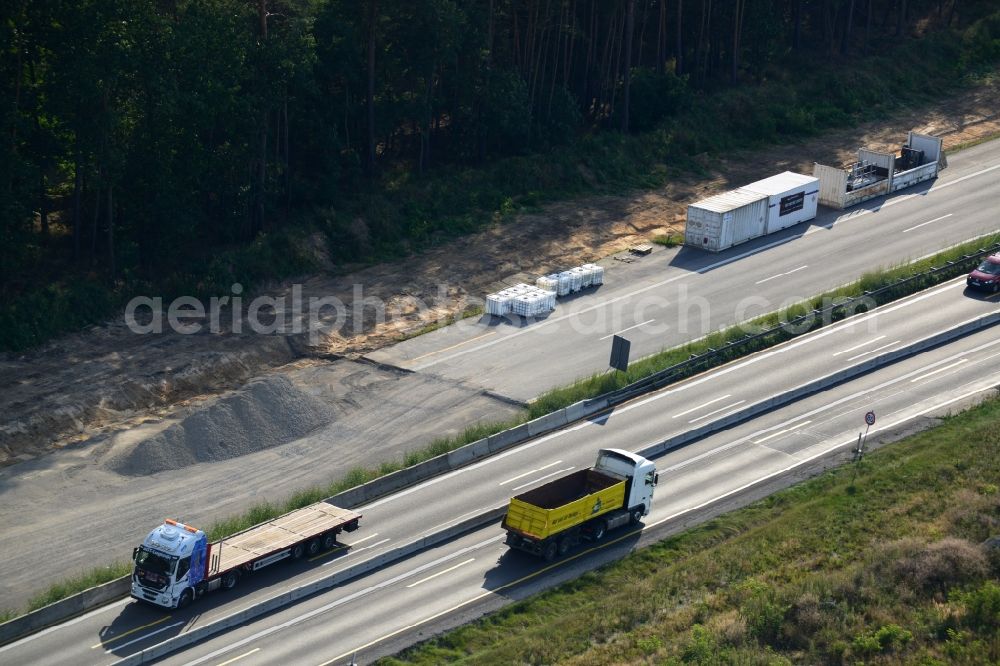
{"x": 107, "y": 379}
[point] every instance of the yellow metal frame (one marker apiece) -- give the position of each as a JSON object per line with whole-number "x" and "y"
{"x": 540, "y": 523}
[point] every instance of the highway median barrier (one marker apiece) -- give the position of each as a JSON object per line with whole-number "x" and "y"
{"x": 351, "y": 498}
{"x": 820, "y": 384}
{"x": 470, "y": 453}
{"x": 495, "y": 514}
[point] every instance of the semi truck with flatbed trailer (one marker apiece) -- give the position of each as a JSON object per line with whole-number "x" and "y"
{"x": 551, "y": 519}
{"x": 176, "y": 564}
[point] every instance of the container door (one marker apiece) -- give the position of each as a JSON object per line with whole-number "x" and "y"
{"x": 704, "y": 229}
{"x": 726, "y": 231}
{"x": 749, "y": 221}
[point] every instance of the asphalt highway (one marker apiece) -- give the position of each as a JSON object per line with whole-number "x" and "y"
{"x": 70, "y": 502}
{"x": 677, "y": 295}
{"x": 693, "y": 475}
{"x": 475, "y": 573}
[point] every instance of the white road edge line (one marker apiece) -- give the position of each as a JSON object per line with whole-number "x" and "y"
{"x": 856, "y": 347}
{"x": 441, "y": 573}
{"x": 823, "y": 408}
{"x": 144, "y": 637}
{"x": 947, "y": 367}
{"x": 554, "y": 320}
{"x": 339, "y": 602}
{"x": 700, "y": 271}
{"x": 704, "y": 404}
{"x": 355, "y": 543}
{"x": 959, "y": 180}
{"x": 720, "y": 409}
{"x": 457, "y": 519}
{"x": 648, "y": 321}
{"x": 237, "y": 658}
{"x": 542, "y": 478}
{"x": 936, "y": 219}
{"x": 877, "y": 349}
{"x": 521, "y": 476}
{"x": 794, "y": 270}
{"x": 780, "y": 432}
{"x": 687, "y": 385}
{"x": 355, "y": 550}
{"x": 68, "y": 623}
{"x": 663, "y": 520}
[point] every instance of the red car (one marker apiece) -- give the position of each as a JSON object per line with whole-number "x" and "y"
{"x": 987, "y": 275}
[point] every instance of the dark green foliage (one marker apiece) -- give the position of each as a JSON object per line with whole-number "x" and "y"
{"x": 143, "y": 140}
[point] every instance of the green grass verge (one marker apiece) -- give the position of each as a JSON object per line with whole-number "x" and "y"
{"x": 882, "y": 567}
{"x": 599, "y": 384}
{"x": 76, "y": 584}
{"x": 562, "y": 397}
{"x": 669, "y": 240}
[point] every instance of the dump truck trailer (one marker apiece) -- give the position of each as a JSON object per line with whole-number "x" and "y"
{"x": 176, "y": 564}
{"x": 551, "y": 519}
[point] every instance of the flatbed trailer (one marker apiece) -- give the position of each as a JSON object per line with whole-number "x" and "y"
{"x": 176, "y": 564}
{"x": 256, "y": 546}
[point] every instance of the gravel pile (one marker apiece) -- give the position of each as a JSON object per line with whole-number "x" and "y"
{"x": 267, "y": 412}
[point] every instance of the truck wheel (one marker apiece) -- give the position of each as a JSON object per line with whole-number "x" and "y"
{"x": 230, "y": 579}
{"x": 598, "y": 531}
{"x": 313, "y": 547}
{"x": 298, "y": 551}
{"x": 564, "y": 546}
{"x": 329, "y": 540}
{"x": 185, "y": 599}
{"x": 636, "y": 514}
{"x": 549, "y": 552}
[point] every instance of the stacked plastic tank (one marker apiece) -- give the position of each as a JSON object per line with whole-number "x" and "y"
{"x": 530, "y": 301}
{"x": 575, "y": 279}
{"x": 521, "y": 299}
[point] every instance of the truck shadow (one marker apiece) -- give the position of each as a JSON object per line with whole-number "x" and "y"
{"x": 518, "y": 575}
{"x": 140, "y": 625}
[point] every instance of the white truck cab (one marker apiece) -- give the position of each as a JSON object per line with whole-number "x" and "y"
{"x": 642, "y": 472}
{"x": 169, "y": 565}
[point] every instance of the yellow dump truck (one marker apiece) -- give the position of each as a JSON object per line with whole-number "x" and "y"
{"x": 552, "y": 518}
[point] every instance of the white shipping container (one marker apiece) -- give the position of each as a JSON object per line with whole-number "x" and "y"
{"x": 720, "y": 222}
{"x": 792, "y": 198}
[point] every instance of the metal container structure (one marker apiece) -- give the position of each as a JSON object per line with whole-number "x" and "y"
{"x": 792, "y": 198}
{"x": 876, "y": 173}
{"x": 720, "y": 222}
{"x": 920, "y": 159}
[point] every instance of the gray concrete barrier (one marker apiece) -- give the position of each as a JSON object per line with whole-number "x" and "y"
{"x": 584, "y": 408}
{"x": 65, "y": 608}
{"x": 350, "y": 499}
{"x": 819, "y": 384}
{"x": 547, "y": 423}
{"x": 360, "y": 495}
{"x": 286, "y": 598}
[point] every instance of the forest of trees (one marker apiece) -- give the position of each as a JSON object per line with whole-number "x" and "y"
{"x": 142, "y": 135}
